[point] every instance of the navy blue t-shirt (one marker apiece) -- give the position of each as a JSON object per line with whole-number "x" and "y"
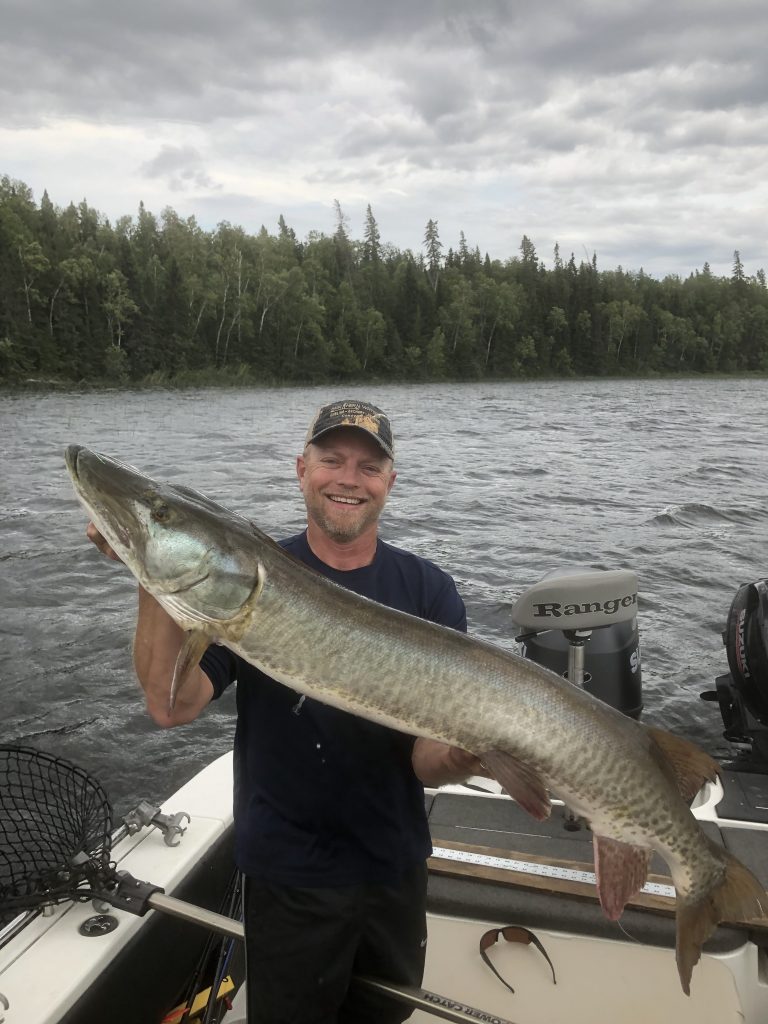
{"x": 323, "y": 797}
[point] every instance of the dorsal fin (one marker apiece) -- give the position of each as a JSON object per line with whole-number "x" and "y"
{"x": 687, "y": 764}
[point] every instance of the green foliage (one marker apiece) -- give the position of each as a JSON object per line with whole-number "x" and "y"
{"x": 160, "y": 301}
{"x": 435, "y": 355}
{"x": 116, "y": 365}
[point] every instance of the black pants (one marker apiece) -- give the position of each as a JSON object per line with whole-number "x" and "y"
{"x": 303, "y": 945}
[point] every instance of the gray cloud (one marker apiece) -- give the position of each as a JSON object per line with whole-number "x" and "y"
{"x": 181, "y": 167}
{"x": 594, "y": 122}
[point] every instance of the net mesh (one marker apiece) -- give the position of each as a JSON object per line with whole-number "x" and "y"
{"x": 55, "y": 828}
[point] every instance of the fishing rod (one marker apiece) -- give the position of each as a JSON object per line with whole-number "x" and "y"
{"x": 419, "y": 998}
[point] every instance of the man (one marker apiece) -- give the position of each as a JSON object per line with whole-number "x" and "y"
{"x": 330, "y": 829}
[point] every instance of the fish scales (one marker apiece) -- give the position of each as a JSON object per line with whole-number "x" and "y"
{"x": 446, "y": 665}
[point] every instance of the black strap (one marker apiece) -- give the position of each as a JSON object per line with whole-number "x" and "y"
{"x": 511, "y": 933}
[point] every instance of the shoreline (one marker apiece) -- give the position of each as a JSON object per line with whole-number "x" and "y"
{"x": 34, "y": 385}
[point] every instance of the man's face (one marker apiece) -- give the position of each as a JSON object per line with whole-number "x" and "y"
{"x": 345, "y": 479}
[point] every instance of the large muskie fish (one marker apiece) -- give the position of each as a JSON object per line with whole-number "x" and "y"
{"x": 220, "y": 578}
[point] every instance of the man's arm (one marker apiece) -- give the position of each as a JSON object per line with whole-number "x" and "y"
{"x": 438, "y": 764}
{"x": 156, "y": 647}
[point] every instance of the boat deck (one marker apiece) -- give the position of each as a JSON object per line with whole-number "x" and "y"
{"x": 606, "y": 971}
{"x": 745, "y": 797}
{"x": 499, "y": 823}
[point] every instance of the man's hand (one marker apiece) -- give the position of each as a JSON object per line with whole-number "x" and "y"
{"x": 101, "y": 543}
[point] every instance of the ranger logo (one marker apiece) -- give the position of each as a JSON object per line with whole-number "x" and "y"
{"x": 555, "y": 610}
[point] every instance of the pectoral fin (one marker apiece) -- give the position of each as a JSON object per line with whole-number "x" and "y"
{"x": 191, "y": 652}
{"x": 621, "y": 870}
{"x": 520, "y": 780}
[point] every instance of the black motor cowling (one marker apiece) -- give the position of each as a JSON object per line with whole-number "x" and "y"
{"x": 746, "y": 644}
{"x": 742, "y": 693}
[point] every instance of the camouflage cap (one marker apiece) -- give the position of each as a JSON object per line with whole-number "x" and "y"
{"x": 351, "y": 413}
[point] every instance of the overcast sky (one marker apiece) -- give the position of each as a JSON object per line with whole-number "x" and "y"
{"x": 635, "y": 130}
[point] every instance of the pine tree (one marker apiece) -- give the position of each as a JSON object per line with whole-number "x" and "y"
{"x": 372, "y": 244}
{"x": 433, "y": 247}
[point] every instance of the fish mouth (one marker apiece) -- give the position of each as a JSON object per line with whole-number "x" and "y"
{"x": 70, "y": 457}
{"x": 93, "y": 498}
{"x": 89, "y": 469}
{"x": 73, "y": 454}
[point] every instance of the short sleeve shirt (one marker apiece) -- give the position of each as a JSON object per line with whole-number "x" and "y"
{"x": 324, "y": 797}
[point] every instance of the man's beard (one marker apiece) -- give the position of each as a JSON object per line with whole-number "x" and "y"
{"x": 340, "y": 531}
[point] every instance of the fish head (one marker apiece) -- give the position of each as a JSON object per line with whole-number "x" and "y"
{"x": 182, "y": 547}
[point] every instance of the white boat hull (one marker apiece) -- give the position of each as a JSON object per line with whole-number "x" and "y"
{"x": 51, "y": 974}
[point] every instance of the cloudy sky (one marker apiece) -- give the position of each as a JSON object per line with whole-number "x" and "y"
{"x": 635, "y": 130}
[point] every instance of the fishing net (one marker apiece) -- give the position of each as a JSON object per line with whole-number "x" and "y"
{"x": 55, "y": 829}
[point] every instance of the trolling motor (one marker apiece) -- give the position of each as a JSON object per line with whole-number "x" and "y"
{"x": 582, "y": 624}
{"x": 742, "y": 693}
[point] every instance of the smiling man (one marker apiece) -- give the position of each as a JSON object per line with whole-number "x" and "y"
{"x": 346, "y": 474}
{"x": 331, "y": 834}
{"x": 333, "y": 853}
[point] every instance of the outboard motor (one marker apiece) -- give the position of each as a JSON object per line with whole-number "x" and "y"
{"x": 582, "y": 624}
{"x": 742, "y": 693}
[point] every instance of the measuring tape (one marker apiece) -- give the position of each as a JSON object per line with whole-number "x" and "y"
{"x": 543, "y": 870}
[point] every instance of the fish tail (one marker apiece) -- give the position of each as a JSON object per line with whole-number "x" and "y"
{"x": 736, "y": 895}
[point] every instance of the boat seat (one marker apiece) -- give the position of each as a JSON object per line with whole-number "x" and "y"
{"x": 580, "y": 600}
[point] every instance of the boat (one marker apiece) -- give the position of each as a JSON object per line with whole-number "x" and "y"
{"x": 515, "y": 929}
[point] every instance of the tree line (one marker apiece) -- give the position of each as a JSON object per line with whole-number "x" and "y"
{"x": 160, "y": 300}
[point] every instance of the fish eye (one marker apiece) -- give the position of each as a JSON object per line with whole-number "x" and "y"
{"x": 161, "y": 513}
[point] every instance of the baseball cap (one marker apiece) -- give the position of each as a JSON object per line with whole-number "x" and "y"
{"x": 352, "y": 413}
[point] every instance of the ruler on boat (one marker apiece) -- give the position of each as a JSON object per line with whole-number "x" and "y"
{"x": 543, "y": 874}
{"x": 538, "y": 868}
{"x": 547, "y": 874}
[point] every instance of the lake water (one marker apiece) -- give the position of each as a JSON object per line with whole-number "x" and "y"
{"x": 498, "y": 483}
